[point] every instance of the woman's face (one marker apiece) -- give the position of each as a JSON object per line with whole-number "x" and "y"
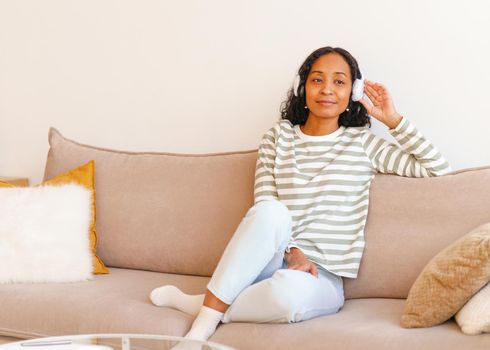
{"x": 328, "y": 86}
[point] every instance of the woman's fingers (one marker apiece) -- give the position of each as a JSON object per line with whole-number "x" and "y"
{"x": 377, "y": 93}
{"x": 313, "y": 270}
{"x": 371, "y": 87}
{"x": 302, "y": 267}
{"x": 366, "y": 105}
{"x": 380, "y": 90}
{"x": 369, "y": 91}
{"x": 306, "y": 267}
{"x": 376, "y": 86}
{"x": 373, "y": 94}
{"x": 370, "y": 96}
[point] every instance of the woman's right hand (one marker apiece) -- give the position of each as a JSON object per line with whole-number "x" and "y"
{"x": 297, "y": 260}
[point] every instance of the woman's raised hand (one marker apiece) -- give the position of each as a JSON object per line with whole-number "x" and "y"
{"x": 382, "y": 107}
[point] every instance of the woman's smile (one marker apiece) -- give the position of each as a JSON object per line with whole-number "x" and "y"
{"x": 326, "y": 103}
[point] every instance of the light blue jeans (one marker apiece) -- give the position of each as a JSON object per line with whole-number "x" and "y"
{"x": 252, "y": 276}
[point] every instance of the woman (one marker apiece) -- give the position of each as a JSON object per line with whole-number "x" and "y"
{"x": 287, "y": 258}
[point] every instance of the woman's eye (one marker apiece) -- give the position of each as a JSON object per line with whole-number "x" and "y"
{"x": 340, "y": 82}
{"x": 317, "y": 80}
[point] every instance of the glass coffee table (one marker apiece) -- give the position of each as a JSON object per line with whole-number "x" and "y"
{"x": 114, "y": 342}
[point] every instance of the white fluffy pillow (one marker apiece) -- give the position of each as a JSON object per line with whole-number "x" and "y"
{"x": 44, "y": 234}
{"x": 474, "y": 316}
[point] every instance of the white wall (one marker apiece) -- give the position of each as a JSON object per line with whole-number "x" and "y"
{"x": 209, "y": 76}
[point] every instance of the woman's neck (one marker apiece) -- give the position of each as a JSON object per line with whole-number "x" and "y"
{"x": 320, "y": 126}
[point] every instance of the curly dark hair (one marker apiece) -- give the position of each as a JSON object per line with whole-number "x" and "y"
{"x": 293, "y": 108}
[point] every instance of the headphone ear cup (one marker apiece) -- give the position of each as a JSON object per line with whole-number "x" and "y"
{"x": 296, "y": 85}
{"x": 358, "y": 89}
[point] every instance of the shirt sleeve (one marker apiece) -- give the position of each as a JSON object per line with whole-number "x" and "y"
{"x": 417, "y": 156}
{"x": 265, "y": 182}
{"x": 292, "y": 244}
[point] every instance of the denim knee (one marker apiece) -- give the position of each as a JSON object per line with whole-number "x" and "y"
{"x": 276, "y": 213}
{"x": 273, "y": 210}
{"x": 293, "y": 290}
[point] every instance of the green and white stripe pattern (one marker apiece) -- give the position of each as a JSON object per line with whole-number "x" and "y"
{"x": 324, "y": 181}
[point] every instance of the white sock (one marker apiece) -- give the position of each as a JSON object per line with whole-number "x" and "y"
{"x": 205, "y": 324}
{"x": 173, "y": 297}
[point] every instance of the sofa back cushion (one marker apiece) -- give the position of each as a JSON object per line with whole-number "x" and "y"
{"x": 175, "y": 213}
{"x": 410, "y": 220}
{"x": 161, "y": 211}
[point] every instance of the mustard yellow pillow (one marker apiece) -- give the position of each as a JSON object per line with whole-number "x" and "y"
{"x": 449, "y": 280}
{"x": 83, "y": 175}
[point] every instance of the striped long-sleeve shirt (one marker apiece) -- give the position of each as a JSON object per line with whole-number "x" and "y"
{"x": 324, "y": 181}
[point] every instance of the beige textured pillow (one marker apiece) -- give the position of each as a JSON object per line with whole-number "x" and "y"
{"x": 449, "y": 280}
{"x": 474, "y": 317}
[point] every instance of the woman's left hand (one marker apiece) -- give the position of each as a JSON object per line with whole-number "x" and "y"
{"x": 382, "y": 107}
{"x": 297, "y": 260}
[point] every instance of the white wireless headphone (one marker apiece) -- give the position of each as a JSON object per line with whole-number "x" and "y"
{"x": 357, "y": 88}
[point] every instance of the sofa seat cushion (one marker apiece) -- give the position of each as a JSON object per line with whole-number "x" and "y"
{"x": 362, "y": 324}
{"x": 119, "y": 302}
{"x": 114, "y": 303}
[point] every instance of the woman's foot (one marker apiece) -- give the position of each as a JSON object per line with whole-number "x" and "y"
{"x": 202, "y": 328}
{"x": 205, "y": 324}
{"x": 173, "y": 297}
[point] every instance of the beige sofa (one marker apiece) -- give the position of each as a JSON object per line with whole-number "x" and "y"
{"x": 166, "y": 218}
